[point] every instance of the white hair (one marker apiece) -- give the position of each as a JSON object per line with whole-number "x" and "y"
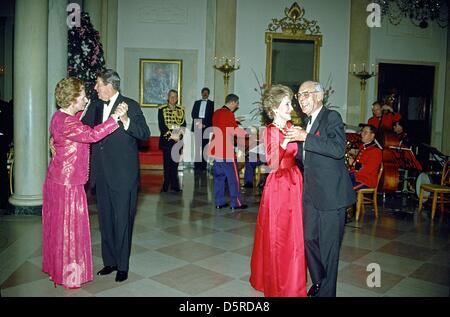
{"x": 317, "y": 86}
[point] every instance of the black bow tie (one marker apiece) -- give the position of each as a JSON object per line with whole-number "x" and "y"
{"x": 106, "y": 102}
{"x": 308, "y": 119}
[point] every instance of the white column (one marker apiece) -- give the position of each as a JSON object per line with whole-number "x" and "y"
{"x": 30, "y": 103}
{"x": 108, "y": 33}
{"x": 358, "y": 53}
{"x": 225, "y": 45}
{"x": 94, "y": 8}
{"x": 57, "y": 52}
{"x": 210, "y": 38}
{"x": 104, "y": 16}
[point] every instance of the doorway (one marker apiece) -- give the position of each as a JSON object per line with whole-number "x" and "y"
{"x": 410, "y": 89}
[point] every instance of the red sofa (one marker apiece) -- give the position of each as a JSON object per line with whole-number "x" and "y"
{"x": 150, "y": 156}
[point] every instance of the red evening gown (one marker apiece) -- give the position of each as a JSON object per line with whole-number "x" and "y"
{"x": 278, "y": 263}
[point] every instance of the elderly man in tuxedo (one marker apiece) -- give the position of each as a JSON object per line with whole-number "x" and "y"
{"x": 327, "y": 189}
{"x": 115, "y": 172}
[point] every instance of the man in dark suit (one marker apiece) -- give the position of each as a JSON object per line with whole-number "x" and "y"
{"x": 327, "y": 189}
{"x": 202, "y": 113}
{"x": 6, "y": 137}
{"x": 115, "y": 172}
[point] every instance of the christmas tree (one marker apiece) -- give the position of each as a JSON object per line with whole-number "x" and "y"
{"x": 85, "y": 54}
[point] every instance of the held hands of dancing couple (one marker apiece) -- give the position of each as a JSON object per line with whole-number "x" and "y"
{"x": 120, "y": 114}
{"x": 293, "y": 134}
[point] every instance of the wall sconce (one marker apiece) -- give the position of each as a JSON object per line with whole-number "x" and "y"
{"x": 226, "y": 65}
{"x": 363, "y": 75}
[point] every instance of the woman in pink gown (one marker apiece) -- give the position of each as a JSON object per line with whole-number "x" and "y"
{"x": 278, "y": 263}
{"x": 66, "y": 240}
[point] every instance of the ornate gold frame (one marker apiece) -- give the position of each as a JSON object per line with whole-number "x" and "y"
{"x": 270, "y": 36}
{"x": 146, "y": 85}
{"x": 294, "y": 27}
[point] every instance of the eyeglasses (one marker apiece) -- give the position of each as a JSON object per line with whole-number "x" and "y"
{"x": 304, "y": 94}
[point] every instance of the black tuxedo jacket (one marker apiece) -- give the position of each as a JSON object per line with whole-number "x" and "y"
{"x": 325, "y": 176}
{"x": 207, "y": 121}
{"x": 116, "y": 156}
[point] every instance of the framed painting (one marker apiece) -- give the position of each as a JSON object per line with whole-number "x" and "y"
{"x": 157, "y": 77}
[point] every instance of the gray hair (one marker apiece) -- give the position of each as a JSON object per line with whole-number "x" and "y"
{"x": 110, "y": 76}
{"x": 317, "y": 86}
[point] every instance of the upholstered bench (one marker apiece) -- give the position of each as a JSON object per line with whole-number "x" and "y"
{"x": 150, "y": 156}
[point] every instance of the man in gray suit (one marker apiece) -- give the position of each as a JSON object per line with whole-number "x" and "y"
{"x": 327, "y": 189}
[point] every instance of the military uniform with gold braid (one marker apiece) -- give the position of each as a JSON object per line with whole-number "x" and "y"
{"x": 170, "y": 121}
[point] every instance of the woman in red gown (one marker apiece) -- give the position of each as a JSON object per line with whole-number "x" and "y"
{"x": 278, "y": 263}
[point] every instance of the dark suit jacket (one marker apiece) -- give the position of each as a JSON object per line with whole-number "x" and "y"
{"x": 118, "y": 152}
{"x": 207, "y": 121}
{"x": 326, "y": 179}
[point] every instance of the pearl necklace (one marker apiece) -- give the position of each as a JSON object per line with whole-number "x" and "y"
{"x": 282, "y": 129}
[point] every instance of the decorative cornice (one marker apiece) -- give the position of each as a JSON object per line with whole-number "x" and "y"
{"x": 294, "y": 22}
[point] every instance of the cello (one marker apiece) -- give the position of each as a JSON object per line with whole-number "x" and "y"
{"x": 391, "y": 165}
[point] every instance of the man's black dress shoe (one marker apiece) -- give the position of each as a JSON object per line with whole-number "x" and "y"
{"x": 314, "y": 290}
{"x": 164, "y": 190}
{"x": 107, "y": 270}
{"x": 221, "y": 206}
{"x": 239, "y": 207}
{"x": 248, "y": 185}
{"x": 121, "y": 276}
{"x": 177, "y": 190}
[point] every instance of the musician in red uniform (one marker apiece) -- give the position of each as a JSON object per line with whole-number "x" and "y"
{"x": 364, "y": 174}
{"x": 383, "y": 116}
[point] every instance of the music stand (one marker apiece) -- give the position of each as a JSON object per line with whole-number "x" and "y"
{"x": 406, "y": 158}
{"x": 408, "y": 162}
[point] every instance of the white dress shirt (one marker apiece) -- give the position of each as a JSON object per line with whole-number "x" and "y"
{"x": 313, "y": 118}
{"x": 310, "y": 124}
{"x": 107, "y": 107}
{"x": 201, "y": 112}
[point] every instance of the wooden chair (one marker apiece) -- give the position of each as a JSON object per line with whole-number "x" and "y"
{"x": 435, "y": 189}
{"x": 362, "y": 200}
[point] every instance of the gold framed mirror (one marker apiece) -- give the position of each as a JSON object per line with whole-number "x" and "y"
{"x": 292, "y": 50}
{"x": 292, "y": 59}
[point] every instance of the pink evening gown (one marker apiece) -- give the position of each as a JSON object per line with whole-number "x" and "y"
{"x": 66, "y": 238}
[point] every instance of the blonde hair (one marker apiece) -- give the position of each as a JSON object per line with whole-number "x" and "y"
{"x": 272, "y": 98}
{"x": 67, "y": 91}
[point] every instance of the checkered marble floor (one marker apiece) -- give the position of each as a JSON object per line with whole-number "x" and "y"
{"x": 183, "y": 246}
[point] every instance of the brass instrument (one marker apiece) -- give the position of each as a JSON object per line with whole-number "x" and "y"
{"x": 351, "y": 149}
